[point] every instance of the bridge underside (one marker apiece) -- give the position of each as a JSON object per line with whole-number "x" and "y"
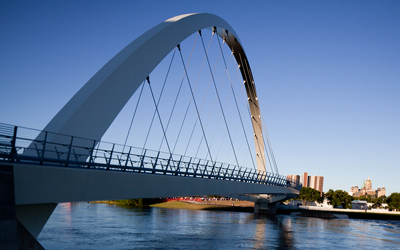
{"x": 39, "y": 188}
{"x": 42, "y": 184}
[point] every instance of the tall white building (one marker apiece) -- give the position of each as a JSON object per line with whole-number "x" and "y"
{"x": 316, "y": 182}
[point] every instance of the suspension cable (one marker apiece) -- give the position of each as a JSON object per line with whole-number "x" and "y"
{"x": 202, "y": 103}
{"x": 158, "y": 113}
{"x": 269, "y": 145}
{"x": 194, "y": 100}
{"x": 162, "y": 90}
{"x": 133, "y": 117}
{"x": 241, "y": 143}
{"x": 158, "y": 101}
{"x": 212, "y": 109}
{"x": 184, "y": 119}
{"x": 226, "y": 102}
{"x": 223, "y": 139}
{"x": 188, "y": 106}
{"x": 219, "y": 101}
{"x": 179, "y": 90}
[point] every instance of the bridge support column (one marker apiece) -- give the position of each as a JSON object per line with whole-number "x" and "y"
{"x": 34, "y": 216}
{"x": 13, "y": 235}
{"x": 265, "y": 208}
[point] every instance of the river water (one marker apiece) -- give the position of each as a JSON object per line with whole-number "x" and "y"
{"x": 105, "y": 226}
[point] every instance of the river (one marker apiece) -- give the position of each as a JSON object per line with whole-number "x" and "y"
{"x": 105, "y": 226}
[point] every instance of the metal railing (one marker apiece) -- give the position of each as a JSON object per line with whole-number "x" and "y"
{"x": 25, "y": 145}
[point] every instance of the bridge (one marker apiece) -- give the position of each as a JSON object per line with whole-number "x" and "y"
{"x": 68, "y": 162}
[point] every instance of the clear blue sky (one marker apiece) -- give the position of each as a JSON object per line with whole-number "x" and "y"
{"x": 327, "y": 72}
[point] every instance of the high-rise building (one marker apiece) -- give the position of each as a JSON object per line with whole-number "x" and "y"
{"x": 305, "y": 177}
{"x": 294, "y": 178}
{"x": 320, "y": 184}
{"x": 316, "y": 182}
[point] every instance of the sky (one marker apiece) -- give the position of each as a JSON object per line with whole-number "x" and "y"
{"x": 327, "y": 72}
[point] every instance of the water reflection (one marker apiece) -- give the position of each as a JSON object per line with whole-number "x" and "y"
{"x": 273, "y": 231}
{"x": 103, "y": 226}
{"x": 285, "y": 236}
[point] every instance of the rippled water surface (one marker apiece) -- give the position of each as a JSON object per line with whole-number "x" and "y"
{"x": 104, "y": 226}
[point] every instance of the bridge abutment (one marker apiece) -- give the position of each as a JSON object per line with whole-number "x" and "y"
{"x": 13, "y": 235}
{"x": 34, "y": 216}
{"x": 265, "y": 208}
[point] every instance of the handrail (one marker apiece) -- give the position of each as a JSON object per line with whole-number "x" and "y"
{"x": 19, "y": 144}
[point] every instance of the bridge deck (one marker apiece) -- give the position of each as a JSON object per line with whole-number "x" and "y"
{"x": 61, "y": 168}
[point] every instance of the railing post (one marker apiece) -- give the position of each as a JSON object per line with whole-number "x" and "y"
{"x": 155, "y": 163}
{"x": 197, "y": 168}
{"x": 212, "y": 170}
{"x": 264, "y": 178}
{"x": 91, "y": 153}
{"x": 226, "y": 171}
{"x": 205, "y": 168}
{"x": 44, "y": 148}
{"x": 238, "y": 174}
{"x": 178, "y": 167}
{"x": 188, "y": 165}
{"x": 13, "y": 152}
{"x": 69, "y": 151}
{"x": 252, "y": 177}
{"x": 128, "y": 156}
{"x": 168, "y": 164}
{"x": 219, "y": 170}
{"x": 141, "y": 162}
{"x": 244, "y": 173}
{"x": 233, "y": 171}
{"x": 259, "y": 176}
{"x": 109, "y": 160}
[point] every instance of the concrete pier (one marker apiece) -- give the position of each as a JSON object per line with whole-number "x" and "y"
{"x": 13, "y": 235}
{"x": 265, "y": 208}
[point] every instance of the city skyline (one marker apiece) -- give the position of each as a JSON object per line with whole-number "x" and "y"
{"x": 327, "y": 74}
{"x": 312, "y": 181}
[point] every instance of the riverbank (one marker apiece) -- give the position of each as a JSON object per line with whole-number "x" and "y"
{"x": 216, "y": 205}
{"x": 236, "y": 206}
{"x": 247, "y": 206}
{"x": 132, "y": 202}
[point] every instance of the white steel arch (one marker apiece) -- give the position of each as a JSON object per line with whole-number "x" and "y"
{"x": 94, "y": 107}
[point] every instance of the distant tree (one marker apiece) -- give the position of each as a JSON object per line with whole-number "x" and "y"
{"x": 368, "y": 199}
{"x": 308, "y": 195}
{"x": 393, "y": 201}
{"x": 378, "y": 201}
{"x": 138, "y": 202}
{"x": 339, "y": 197}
